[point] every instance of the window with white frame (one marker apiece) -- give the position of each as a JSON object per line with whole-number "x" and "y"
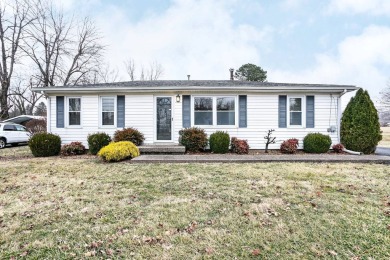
{"x": 74, "y": 111}
{"x": 107, "y": 105}
{"x": 295, "y": 111}
{"x": 215, "y": 111}
{"x": 203, "y": 111}
{"x": 226, "y": 113}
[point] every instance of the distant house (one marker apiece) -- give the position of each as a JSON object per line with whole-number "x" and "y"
{"x": 159, "y": 109}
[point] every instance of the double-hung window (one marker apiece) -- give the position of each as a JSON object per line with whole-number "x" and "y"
{"x": 215, "y": 111}
{"x": 295, "y": 111}
{"x": 74, "y": 111}
{"x": 107, "y": 105}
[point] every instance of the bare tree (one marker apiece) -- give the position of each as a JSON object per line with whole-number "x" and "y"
{"x": 64, "y": 50}
{"x": 23, "y": 99}
{"x": 154, "y": 72}
{"x": 130, "y": 68}
{"x": 14, "y": 19}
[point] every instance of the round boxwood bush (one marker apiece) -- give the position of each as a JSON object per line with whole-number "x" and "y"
{"x": 45, "y": 144}
{"x": 316, "y": 143}
{"x": 194, "y": 139}
{"x": 219, "y": 142}
{"x": 115, "y": 152}
{"x": 97, "y": 141}
{"x": 129, "y": 134}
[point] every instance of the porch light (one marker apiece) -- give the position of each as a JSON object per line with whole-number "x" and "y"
{"x": 178, "y": 98}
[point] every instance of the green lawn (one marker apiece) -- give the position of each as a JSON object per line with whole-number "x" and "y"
{"x": 56, "y": 208}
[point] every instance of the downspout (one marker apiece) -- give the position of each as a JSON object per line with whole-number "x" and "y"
{"x": 352, "y": 152}
{"x": 339, "y": 115}
{"x": 48, "y": 107}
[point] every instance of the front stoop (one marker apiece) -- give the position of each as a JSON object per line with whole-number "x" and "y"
{"x": 162, "y": 149}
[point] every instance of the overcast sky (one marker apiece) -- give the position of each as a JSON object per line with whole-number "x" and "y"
{"x": 302, "y": 41}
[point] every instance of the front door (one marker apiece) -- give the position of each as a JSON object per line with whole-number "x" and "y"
{"x": 164, "y": 118}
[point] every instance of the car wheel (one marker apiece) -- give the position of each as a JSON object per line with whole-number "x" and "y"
{"x": 2, "y": 143}
{"x": 14, "y": 144}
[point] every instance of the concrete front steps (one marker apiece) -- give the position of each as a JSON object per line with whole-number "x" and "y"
{"x": 162, "y": 149}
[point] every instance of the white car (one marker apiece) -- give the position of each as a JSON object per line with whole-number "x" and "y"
{"x": 13, "y": 134}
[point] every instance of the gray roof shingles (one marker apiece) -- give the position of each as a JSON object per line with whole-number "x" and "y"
{"x": 199, "y": 83}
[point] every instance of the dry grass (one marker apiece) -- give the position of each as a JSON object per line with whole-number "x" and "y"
{"x": 57, "y": 208}
{"x": 18, "y": 152}
{"x": 385, "y": 137}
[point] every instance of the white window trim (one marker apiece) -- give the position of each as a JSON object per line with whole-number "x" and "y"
{"x": 101, "y": 112}
{"x": 303, "y": 104}
{"x": 67, "y": 112}
{"x": 214, "y": 97}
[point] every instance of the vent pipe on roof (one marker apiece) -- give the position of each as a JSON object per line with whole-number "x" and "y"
{"x": 231, "y": 73}
{"x": 188, "y": 76}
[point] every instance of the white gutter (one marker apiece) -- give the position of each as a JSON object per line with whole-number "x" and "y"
{"x": 181, "y": 89}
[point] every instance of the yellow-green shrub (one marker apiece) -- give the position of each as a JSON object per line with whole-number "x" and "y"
{"x": 115, "y": 152}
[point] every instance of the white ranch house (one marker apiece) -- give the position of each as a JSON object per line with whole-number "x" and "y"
{"x": 160, "y": 109}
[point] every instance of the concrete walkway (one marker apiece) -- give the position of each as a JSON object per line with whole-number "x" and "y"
{"x": 235, "y": 158}
{"x": 382, "y": 151}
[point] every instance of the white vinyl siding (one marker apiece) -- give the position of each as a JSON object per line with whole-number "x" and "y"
{"x": 262, "y": 115}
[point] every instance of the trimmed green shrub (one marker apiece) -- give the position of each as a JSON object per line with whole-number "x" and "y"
{"x": 316, "y": 143}
{"x": 45, "y": 144}
{"x": 338, "y": 148}
{"x": 219, "y": 142}
{"x": 74, "y": 148}
{"x": 289, "y": 146}
{"x": 239, "y": 146}
{"x": 360, "y": 129}
{"x": 115, "y": 152}
{"x": 194, "y": 139}
{"x": 97, "y": 141}
{"x": 129, "y": 134}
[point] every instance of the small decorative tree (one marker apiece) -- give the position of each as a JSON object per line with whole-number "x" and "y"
{"x": 360, "y": 129}
{"x": 269, "y": 139}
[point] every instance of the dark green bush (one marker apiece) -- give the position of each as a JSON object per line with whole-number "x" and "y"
{"x": 129, "y": 134}
{"x": 219, "y": 142}
{"x": 45, "y": 144}
{"x": 97, "y": 141}
{"x": 74, "y": 148}
{"x": 316, "y": 143}
{"x": 194, "y": 139}
{"x": 360, "y": 129}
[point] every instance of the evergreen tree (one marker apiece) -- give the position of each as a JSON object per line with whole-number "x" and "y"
{"x": 360, "y": 128}
{"x": 251, "y": 72}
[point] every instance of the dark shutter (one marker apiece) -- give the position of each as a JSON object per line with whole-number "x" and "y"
{"x": 310, "y": 112}
{"x": 282, "y": 111}
{"x": 120, "y": 107}
{"x": 186, "y": 111}
{"x": 242, "y": 114}
{"x": 60, "y": 112}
